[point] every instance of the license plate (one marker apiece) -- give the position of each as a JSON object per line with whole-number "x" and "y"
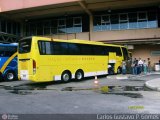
{"x": 24, "y": 76}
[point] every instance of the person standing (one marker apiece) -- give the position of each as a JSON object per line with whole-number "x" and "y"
{"x": 133, "y": 66}
{"x": 140, "y": 64}
{"x": 145, "y": 65}
{"x": 136, "y": 68}
{"x": 149, "y": 65}
{"x": 123, "y": 67}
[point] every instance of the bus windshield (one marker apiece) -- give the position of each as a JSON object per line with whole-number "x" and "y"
{"x": 7, "y": 51}
{"x": 24, "y": 45}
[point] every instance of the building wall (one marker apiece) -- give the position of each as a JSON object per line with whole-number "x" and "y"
{"x": 126, "y": 34}
{"x": 8, "y": 5}
{"x": 145, "y": 51}
{"x": 128, "y": 24}
{"x": 82, "y": 36}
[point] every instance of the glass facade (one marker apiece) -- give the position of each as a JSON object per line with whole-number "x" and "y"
{"x": 54, "y": 26}
{"x": 137, "y": 18}
{"x": 9, "y": 30}
{"x": 126, "y": 20}
{"x": 9, "y": 27}
{"x": 123, "y": 19}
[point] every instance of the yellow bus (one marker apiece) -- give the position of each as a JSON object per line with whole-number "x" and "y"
{"x": 45, "y": 59}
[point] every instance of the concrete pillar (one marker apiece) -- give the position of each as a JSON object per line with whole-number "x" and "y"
{"x": 90, "y": 26}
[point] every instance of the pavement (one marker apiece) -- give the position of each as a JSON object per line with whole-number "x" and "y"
{"x": 122, "y": 96}
{"x": 153, "y": 84}
{"x": 112, "y": 80}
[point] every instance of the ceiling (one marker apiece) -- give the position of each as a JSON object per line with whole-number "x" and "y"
{"x": 76, "y": 7}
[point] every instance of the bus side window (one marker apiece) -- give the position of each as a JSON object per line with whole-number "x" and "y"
{"x": 48, "y": 48}
{"x": 86, "y": 49}
{"x": 118, "y": 51}
{"x": 98, "y": 50}
{"x": 56, "y": 48}
{"x": 74, "y": 49}
{"x": 42, "y": 47}
{"x": 107, "y": 50}
{"x": 64, "y": 48}
{"x": 110, "y": 49}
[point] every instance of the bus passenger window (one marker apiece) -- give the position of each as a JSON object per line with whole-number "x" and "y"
{"x": 64, "y": 48}
{"x": 74, "y": 49}
{"x": 48, "y": 48}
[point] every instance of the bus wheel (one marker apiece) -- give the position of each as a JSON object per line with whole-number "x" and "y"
{"x": 66, "y": 76}
{"x": 9, "y": 76}
{"x": 79, "y": 75}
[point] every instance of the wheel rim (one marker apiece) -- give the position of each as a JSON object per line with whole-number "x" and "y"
{"x": 10, "y": 76}
{"x": 79, "y": 75}
{"x": 66, "y": 77}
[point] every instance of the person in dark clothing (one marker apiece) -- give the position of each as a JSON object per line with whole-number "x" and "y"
{"x": 149, "y": 65}
{"x": 123, "y": 67}
{"x": 135, "y": 66}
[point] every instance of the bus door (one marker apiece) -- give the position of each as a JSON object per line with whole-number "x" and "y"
{"x": 111, "y": 63}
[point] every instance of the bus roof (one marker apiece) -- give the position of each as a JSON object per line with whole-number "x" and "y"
{"x": 9, "y": 44}
{"x": 72, "y": 41}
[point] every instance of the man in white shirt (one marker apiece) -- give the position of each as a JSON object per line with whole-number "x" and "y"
{"x": 140, "y": 64}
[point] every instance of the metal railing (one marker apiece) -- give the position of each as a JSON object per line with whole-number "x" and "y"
{"x": 8, "y": 38}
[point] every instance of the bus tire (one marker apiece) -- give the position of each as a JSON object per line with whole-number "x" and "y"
{"x": 66, "y": 76}
{"x": 9, "y": 76}
{"x": 79, "y": 75}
